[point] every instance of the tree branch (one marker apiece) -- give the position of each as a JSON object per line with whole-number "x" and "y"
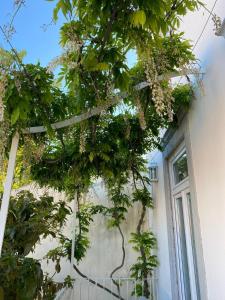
{"x": 109, "y": 28}
{"x": 123, "y": 260}
{"x": 140, "y": 177}
{"x": 141, "y": 220}
{"x": 97, "y": 284}
{"x": 174, "y": 7}
{"x": 146, "y": 291}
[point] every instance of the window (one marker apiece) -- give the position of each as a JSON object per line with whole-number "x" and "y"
{"x": 153, "y": 173}
{"x": 180, "y": 168}
{"x": 184, "y": 231}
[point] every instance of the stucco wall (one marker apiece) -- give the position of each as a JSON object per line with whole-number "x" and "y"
{"x": 205, "y": 125}
{"x": 207, "y": 130}
{"x": 160, "y": 229}
{"x": 105, "y": 252}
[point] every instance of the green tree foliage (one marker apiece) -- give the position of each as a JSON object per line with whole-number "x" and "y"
{"x": 31, "y": 95}
{"x": 29, "y": 220}
{"x": 96, "y": 37}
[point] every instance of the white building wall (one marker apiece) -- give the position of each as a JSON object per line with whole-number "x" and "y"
{"x": 105, "y": 252}
{"x": 206, "y": 130}
{"x": 163, "y": 279}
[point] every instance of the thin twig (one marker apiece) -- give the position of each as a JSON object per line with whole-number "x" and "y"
{"x": 173, "y": 8}
{"x": 15, "y": 13}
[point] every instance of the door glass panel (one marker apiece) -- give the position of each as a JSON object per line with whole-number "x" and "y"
{"x": 183, "y": 250}
{"x": 188, "y": 195}
{"x": 184, "y": 234}
{"x": 180, "y": 168}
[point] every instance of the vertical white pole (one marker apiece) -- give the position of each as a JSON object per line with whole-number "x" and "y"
{"x": 73, "y": 242}
{"x": 7, "y": 188}
{"x": 73, "y": 233}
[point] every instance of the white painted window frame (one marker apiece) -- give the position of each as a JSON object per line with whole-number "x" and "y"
{"x": 181, "y": 190}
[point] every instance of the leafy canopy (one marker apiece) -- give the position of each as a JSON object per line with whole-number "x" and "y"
{"x": 96, "y": 37}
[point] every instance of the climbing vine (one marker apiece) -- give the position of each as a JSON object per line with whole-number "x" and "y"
{"x": 96, "y": 39}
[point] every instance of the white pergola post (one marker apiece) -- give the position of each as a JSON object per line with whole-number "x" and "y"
{"x": 74, "y": 215}
{"x": 8, "y": 188}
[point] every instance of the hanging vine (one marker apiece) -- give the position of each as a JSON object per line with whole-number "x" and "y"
{"x": 96, "y": 38}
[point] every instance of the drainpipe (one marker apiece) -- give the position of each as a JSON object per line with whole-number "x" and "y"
{"x": 221, "y": 30}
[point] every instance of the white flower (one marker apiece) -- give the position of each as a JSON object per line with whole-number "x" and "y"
{"x": 3, "y": 84}
{"x": 55, "y": 63}
{"x": 141, "y": 114}
{"x": 162, "y": 97}
{"x": 217, "y": 23}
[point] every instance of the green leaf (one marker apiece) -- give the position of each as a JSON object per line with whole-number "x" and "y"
{"x": 90, "y": 61}
{"x": 1, "y": 293}
{"x": 105, "y": 156}
{"x": 102, "y": 66}
{"x": 138, "y": 18}
{"x": 56, "y": 11}
{"x": 163, "y": 27}
{"x": 15, "y": 115}
{"x": 154, "y": 25}
{"x": 122, "y": 81}
{"x": 91, "y": 156}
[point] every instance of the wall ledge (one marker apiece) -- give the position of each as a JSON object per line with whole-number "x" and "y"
{"x": 172, "y": 129}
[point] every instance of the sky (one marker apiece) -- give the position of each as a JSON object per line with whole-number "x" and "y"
{"x": 193, "y": 24}
{"x": 42, "y": 45}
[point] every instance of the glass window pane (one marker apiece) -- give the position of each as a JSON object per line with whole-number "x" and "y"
{"x": 180, "y": 168}
{"x": 183, "y": 250}
{"x": 188, "y": 195}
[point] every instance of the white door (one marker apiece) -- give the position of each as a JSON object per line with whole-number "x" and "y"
{"x": 183, "y": 228}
